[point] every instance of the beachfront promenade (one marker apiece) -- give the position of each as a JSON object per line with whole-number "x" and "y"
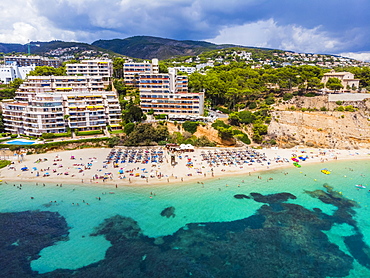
{"x": 147, "y": 166}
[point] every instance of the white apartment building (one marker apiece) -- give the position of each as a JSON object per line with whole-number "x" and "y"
{"x": 42, "y": 84}
{"x": 11, "y": 71}
{"x": 97, "y": 67}
{"x": 54, "y": 104}
{"x": 56, "y": 112}
{"x": 132, "y": 70}
{"x": 164, "y": 93}
{"x": 24, "y": 60}
{"x": 173, "y": 103}
{"x": 167, "y": 93}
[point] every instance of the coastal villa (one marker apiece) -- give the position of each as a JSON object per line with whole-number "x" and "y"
{"x": 54, "y": 104}
{"x": 347, "y": 79}
{"x": 164, "y": 93}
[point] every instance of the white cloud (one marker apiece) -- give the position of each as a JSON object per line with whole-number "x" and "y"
{"x": 264, "y": 23}
{"x": 361, "y": 56}
{"x": 21, "y": 23}
{"x": 267, "y": 33}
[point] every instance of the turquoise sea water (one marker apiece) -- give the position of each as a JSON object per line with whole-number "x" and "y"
{"x": 211, "y": 202}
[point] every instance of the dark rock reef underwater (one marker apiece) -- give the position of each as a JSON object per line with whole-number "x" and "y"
{"x": 279, "y": 240}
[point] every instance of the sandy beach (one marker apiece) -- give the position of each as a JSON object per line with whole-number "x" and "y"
{"x": 148, "y": 166}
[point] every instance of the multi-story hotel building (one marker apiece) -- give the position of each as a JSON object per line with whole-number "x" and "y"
{"x": 41, "y": 84}
{"x": 54, "y": 104}
{"x": 103, "y": 68}
{"x": 23, "y": 61}
{"x": 132, "y": 71}
{"x": 164, "y": 93}
{"x": 56, "y": 112}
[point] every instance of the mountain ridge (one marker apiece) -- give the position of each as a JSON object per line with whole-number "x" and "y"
{"x": 142, "y": 47}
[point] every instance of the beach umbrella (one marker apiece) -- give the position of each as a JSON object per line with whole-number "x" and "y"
{"x": 24, "y": 169}
{"x": 34, "y": 168}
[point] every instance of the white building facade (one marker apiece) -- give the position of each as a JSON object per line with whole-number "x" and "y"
{"x": 11, "y": 71}
{"x": 59, "y": 112}
{"x": 98, "y": 67}
{"x": 24, "y": 60}
{"x": 56, "y": 104}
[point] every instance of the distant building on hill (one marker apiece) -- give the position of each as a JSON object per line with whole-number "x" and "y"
{"x": 23, "y": 61}
{"x": 347, "y": 79}
{"x": 188, "y": 70}
{"x": 11, "y": 71}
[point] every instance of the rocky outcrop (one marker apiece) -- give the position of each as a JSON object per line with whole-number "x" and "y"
{"x": 332, "y": 129}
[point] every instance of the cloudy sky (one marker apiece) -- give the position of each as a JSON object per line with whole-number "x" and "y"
{"x": 318, "y": 26}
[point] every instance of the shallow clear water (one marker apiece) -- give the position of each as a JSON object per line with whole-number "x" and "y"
{"x": 212, "y": 201}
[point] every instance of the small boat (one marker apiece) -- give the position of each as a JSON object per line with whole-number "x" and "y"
{"x": 296, "y": 164}
{"x": 325, "y": 171}
{"x": 360, "y": 186}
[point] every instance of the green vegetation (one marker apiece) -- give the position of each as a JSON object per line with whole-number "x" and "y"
{"x": 227, "y": 132}
{"x": 190, "y": 126}
{"x": 287, "y": 96}
{"x": 160, "y": 116}
{"x": 129, "y": 127}
{"x": 133, "y": 114}
{"x": 4, "y": 163}
{"x": 188, "y": 138}
{"x": 46, "y": 71}
{"x": 7, "y": 91}
{"x": 55, "y": 135}
{"x": 89, "y": 132}
{"x": 241, "y": 136}
{"x": 334, "y": 84}
{"x": 227, "y": 86}
{"x": 146, "y": 135}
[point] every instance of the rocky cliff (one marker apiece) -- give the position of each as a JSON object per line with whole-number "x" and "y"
{"x": 332, "y": 129}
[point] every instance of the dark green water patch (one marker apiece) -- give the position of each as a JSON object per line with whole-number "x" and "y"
{"x": 272, "y": 198}
{"x": 280, "y": 240}
{"x": 168, "y": 212}
{"x": 23, "y": 235}
{"x": 343, "y": 215}
{"x": 359, "y": 250}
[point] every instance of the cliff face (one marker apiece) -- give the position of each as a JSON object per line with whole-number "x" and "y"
{"x": 342, "y": 130}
